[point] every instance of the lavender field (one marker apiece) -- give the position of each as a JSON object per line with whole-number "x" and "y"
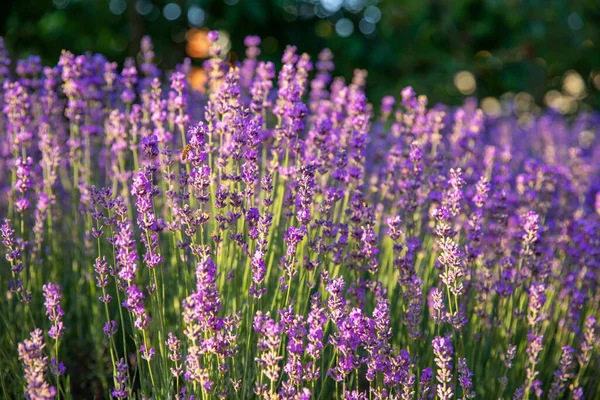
{"x": 279, "y": 236}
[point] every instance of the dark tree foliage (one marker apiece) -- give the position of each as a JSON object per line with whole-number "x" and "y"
{"x": 510, "y": 46}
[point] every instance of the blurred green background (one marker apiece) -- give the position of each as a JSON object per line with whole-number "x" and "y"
{"x": 547, "y": 51}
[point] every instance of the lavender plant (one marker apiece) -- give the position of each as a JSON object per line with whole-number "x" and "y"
{"x": 275, "y": 236}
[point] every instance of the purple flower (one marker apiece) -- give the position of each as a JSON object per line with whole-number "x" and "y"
{"x": 537, "y": 299}
{"x": 382, "y": 320}
{"x": 336, "y": 302}
{"x": 174, "y": 354}
{"x": 102, "y": 272}
{"x": 35, "y": 365}
{"x": 268, "y": 345}
{"x": 53, "y": 310}
{"x": 147, "y": 353}
{"x": 258, "y": 266}
{"x": 248, "y": 67}
{"x": 261, "y": 87}
{"x": 134, "y": 303}
{"x": 425, "y": 383}
{"x": 213, "y": 36}
{"x": 534, "y": 348}
{"x": 110, "y": 328}
{"x": 355, "y": 395}
{"x": 316, "y": 322}
{"x": 395, "y": 227}
{"x": 121, "y": 391}
{"x": 4, "y": 62}
{"x": 13, "y": 256}
{"x": 126, "y": 254}
{"x": 531, "y": 227}
{"x": 57, "y": 367}
{"x": 578, "y": 394}
{"x": 453, "y": 194}
{"x": 23, "y": 174}
{"x": 387, "y": 106}
{"x": 305, "y": 193}
{"x": 589, "y": 340}
{"x": 203, "y": 305}
{"x": 464, "y": 378}
{"x": 292, "y": 238}
{"x": 510, "y": 355}
{"x": 443, "y": 351}
{"x": 563, "y": 374}
{"x": 129, "y": 78}
{"x": 296, "y": 333}
{"x": 17, "y": 104}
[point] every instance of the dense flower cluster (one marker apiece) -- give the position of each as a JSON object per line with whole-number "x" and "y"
{"x": 35, "y": 365}
{"x": 275, "y": 235}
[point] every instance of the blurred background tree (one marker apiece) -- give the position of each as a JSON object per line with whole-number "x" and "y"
{"x": 545, "y": 51}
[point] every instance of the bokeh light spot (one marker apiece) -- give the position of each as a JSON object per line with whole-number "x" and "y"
{"x": 366, "y": 27}
{"x": 323, "y": 29}
{"x": 575, "y": 22}
{"x": 117, "y": 7}
{"x": 196, "y": 16}
{"x": 573, "y": 84}
{"x": 372, "y": 14}
{"x": 596, "y": 81}
{"x": 144, "y": 7}
{"x": 524, "y": 102}
{"x": 344, "y": 27}
{"x": 60, "y": 3}
{"x": 332, "y": 5}
{"x": 465, "y": 82}
{"x": 551, "y": 98}
{"x": 197, "y": 79}
{"x": 586, "y": 138}
{"x": 197, "y": 45}
{"x": 172, "y": 11}
{"x": 491, "y": 106}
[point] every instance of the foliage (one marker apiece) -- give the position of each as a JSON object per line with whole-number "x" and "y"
{"x": 509, "y": 46}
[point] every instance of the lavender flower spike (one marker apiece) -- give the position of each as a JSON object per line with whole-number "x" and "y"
{"x": 35, "y": 365}
{"x": 443, "y": 351}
